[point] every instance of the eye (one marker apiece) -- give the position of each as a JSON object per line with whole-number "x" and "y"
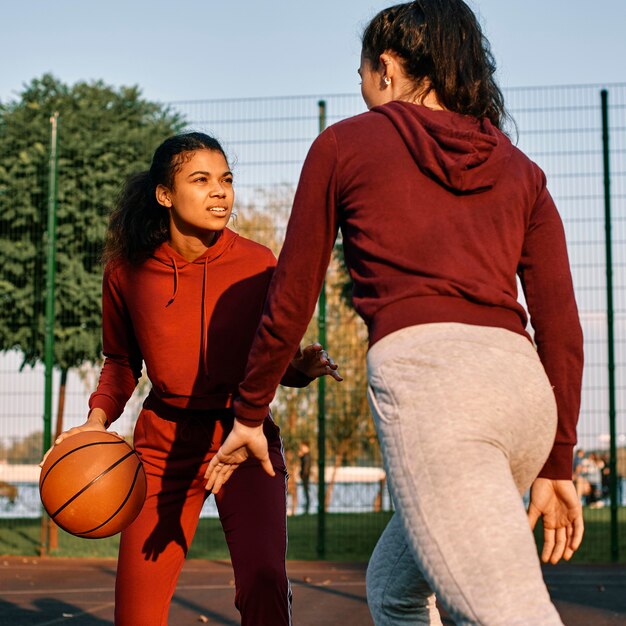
{"x": 228, "y": 180}
{"x": 200, "y": 179}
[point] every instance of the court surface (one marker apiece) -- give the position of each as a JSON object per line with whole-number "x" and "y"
{"x": 47, "y": 592}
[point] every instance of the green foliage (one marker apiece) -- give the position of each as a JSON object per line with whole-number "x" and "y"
{"x": 104, "y": 135}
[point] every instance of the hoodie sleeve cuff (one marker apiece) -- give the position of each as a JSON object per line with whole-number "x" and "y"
{"x": 295, "y": 378}
{"x": 559, "y": 463}
{"x": 248, "y": 414}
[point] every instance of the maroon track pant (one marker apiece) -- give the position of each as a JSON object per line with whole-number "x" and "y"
{"x": 252, "y": 508}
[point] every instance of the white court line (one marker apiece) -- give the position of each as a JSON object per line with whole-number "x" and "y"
{"x": 39, "y": 591}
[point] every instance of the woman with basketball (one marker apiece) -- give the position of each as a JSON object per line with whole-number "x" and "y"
{"x": 440, "y": 214}
{"x": 184, "y": 294}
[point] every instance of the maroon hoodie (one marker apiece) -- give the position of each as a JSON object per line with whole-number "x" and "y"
{"x": 192, "y": 323}
{"x": 439, "y": 214}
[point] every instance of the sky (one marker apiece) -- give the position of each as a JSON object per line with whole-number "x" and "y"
{"x": 191, "y": 50}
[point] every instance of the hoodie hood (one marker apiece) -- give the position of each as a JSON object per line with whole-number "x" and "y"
{"x": 461, "y": 152}
{"x": 167, "y": 255}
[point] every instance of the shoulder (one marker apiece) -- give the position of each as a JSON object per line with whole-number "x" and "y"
{"x": 115, "y": 270}
{"x": 525, "y": 164}
{"x": 252, "y": 250}
{"x": 350, "y": 138}
{"x": 359, "y": 123}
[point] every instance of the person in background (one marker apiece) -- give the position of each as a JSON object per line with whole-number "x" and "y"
{"x": 578, "y": 475}
{"x": 440, "y": 215}
{"x": 183, "y": 294}
{"x": 304, "y": 454}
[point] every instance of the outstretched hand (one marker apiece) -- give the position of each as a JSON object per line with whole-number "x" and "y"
{"x": 557, "y": 503}
{"x": 314, "y": 361}
{"x": 243, "y": 442}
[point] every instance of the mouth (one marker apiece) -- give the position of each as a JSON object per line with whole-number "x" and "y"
{"x": 218, "y": 210}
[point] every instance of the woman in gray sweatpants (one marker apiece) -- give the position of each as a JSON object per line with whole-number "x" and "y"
{"x": 465, "y": 412}
{"x": 466, "y": 418}
{"x": 440, "y": 216}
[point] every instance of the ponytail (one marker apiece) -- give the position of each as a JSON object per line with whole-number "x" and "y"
{"x": 138, "y": 223}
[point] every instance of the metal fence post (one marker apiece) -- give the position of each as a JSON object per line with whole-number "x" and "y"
{"x": 50, "y": 279}
{"x": 604, "y": 97}
{"x": 321, "y": 403}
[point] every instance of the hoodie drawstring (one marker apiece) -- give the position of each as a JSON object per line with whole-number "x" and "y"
{"x": 175, "y": 282}
{"x": 204, "y": 315}
{"x": 203, "y": 333}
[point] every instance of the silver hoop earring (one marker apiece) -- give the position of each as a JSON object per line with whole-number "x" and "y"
{"x": 387, "y": 81}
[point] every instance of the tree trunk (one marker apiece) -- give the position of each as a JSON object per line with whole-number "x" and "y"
{"x": 291, "y": 463}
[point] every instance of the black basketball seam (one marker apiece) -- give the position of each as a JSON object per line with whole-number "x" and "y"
{"x": 86, "y": 445}
{"x": 91, "y": 482}
{"x": 86, "y": 532}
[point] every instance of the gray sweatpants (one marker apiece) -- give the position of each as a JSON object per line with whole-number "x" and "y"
{"x": 466, "y": 418}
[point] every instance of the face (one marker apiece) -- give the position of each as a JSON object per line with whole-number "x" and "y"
{"x": 201, "y": 200}
{"x": 373, "y": 88}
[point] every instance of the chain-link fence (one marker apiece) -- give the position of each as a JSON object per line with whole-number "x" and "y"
{"x": 101, "y": 139}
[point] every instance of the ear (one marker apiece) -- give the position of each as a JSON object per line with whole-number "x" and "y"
{"x": 162, "y": 194}
{"x": 390, "y": 65}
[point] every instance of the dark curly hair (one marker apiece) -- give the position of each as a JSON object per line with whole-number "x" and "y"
{"x": 139, "y": 224}
{"x": 441, "y": 41}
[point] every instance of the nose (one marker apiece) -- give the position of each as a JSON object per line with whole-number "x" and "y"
{"x": 218, "y": 191}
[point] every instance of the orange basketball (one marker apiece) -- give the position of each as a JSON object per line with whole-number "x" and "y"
{"x": 92, "y": 484}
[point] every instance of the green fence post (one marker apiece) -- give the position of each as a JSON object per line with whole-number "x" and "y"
{"x": 49, "y": 324}
{"x": 50, "y": 279}
{"x": 50, "y": 276}
{"x": 321, "y": 403}
{"x": 604, "y": 97}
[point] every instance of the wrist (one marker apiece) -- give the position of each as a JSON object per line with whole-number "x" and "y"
{"x": 248, "y": 425}
{"x": 98, "y": 416}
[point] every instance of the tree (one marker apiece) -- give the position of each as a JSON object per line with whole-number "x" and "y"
{"x": 104, "y": 135}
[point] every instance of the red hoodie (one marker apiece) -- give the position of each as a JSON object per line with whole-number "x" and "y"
{"x": 191, "y": 322}
{"x": 439, "y": 213}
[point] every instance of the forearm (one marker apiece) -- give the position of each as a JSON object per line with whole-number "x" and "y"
{"x": 296, "y": 282}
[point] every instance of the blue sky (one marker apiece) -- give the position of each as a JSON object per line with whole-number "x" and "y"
{"x": 187, "y": 49}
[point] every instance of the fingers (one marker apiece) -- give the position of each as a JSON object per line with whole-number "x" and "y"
{"x": 533, "y": 516}
{"x": 62, "y": 437}
{"x": 218, "y": 472}
{"x": 45, "y": 456}
{"x": 212, "y": 472}
{"x": 267, "y": 466}
{"x": 569, "y": 551}
{"x": 559, "y": 545}
{"x": 313, "y": 348}
{"x": 331, "y": 366}
{"x": 577, "y": 530}
{"x": 334, "y": 374}
{"x": 548, "y": 544}
{"x": 222, "y": 474}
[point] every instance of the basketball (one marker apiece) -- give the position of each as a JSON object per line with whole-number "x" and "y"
{"x": 92, "y": 484}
